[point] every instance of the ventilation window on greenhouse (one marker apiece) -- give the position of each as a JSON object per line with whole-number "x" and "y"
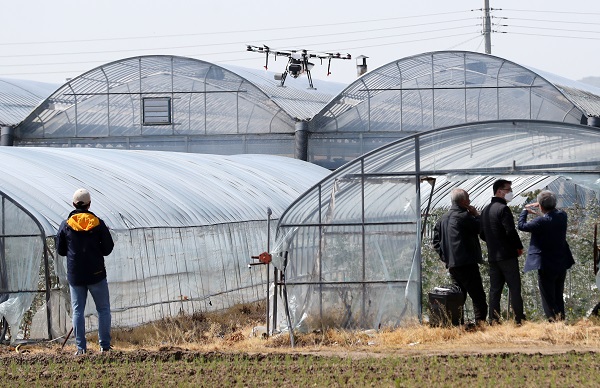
{"x": 157, "y": 110}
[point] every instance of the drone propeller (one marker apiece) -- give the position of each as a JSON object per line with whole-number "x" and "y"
{"x": 298, "y": 60}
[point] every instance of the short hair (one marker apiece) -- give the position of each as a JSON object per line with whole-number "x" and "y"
{"x": 499, "y": 184}
{"x": 457, "y": 195}
{"x": 547, "y": 200}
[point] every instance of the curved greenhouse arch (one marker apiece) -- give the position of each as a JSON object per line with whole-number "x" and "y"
{"x": 171, "y": 103}
{"x": 185, "y": 226}
{"x": 352, "y": 242}
{"x": 18, "y": 98}
{"x": 436, "y": 90}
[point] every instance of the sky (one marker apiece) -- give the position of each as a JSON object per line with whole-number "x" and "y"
{"x": 51, "y": 41}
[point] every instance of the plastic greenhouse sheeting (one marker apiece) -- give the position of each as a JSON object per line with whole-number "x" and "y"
{"x": 18, "y": 98}
{"x": 436, "y": 90}
{"x": 208, "y": 103}
{"x": 349, "y": 248}
{"x": 185, "y": 227}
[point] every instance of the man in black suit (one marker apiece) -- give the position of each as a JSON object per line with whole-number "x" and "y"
{"x": 504, "y": 248}
{"x": 455, "y": 239}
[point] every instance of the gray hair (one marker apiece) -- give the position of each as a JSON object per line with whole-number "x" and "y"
{"x": 457, "y": 196}
{"x": 547, "y": 200}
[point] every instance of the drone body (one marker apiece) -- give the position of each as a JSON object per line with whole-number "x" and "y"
{"x": 298, "y": 61}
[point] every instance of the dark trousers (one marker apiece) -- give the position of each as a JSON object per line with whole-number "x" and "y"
{"x": 468, "y": 278}
{"x": 552, "y": 287}
{"x": 501, "y": 273}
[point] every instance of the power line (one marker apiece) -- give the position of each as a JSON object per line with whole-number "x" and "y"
{"x": 554, "y": 29}
{"x": 552, "y": 36}
{"x": 232, "y": 43}
{"x": 237, "y": 31}
{"x": 542, "y": 11}
{"x": 552, "y": 21}
{"x": 250, "y": 58}
{"x": 403, "y": 42}
{"x": 467, "y": 41}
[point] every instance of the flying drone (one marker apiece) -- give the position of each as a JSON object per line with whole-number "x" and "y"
{"x": 298, "y": 61}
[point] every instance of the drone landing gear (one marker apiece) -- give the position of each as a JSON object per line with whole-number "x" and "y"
{"x": 310, "y": 83}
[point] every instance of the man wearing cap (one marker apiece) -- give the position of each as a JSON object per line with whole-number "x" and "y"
{"x": 85, "y": 240}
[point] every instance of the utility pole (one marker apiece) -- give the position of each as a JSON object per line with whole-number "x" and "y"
{"x": 487, "y": 27}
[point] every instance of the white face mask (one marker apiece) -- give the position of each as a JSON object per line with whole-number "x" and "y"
{"x": 509, "y": 196}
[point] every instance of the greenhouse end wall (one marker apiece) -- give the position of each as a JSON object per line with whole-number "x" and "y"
{"x": 349, "y": 250}
{"x": 167, "y": 272}
{"x": 23, "y": 267}
{"x": 361, "y": 226}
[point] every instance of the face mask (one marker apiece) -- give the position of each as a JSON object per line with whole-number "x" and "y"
{"x": 509, "y": 196}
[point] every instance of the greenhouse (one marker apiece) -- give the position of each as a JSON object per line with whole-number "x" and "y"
{"x": 440, "y": 89}
{"x": 185, "y": 227}
{"x": 173, "y": 103}
{"x": 18, "y": 98}
{"x": 349, "y": 249}
{"x": 170, "y": 103}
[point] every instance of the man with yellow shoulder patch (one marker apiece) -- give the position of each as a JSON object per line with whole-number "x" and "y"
{"x": 85, "y": 240}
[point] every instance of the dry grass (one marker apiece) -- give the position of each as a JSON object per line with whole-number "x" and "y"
{"x": 231, "y": 331}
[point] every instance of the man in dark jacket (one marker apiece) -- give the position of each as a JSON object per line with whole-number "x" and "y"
{"x": 85, "y": 240}
{"x": 548, "y": 251}
{"x": 456, "y": 241}
{"x": 504, "y": 248}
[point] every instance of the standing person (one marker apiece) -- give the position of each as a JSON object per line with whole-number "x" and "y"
{"x": 504, "y": 248}
{"x": 85, "y": 240}
{"x": 456, "y": 241}
{"x": 548, "y": 251}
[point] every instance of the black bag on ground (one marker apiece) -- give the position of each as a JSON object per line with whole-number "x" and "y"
{"x": 446, "y": 306}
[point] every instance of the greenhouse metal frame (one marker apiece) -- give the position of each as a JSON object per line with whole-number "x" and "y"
{"x": 350, "y": 248}
{"x": 185, "y": 227}
{"x": 208, "y": 108}
{"x": 441, "y": 89}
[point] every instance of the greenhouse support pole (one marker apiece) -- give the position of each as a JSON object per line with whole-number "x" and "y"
{"x": 7, "y": 137}
{"x": 419, "y": 239}
{"x": 269, "y": 212}
{"x": 286, "y": 305}
{"x": 275, "y": 282}
{"x": 301, "y": 140}
{"x": 47, "y": 276}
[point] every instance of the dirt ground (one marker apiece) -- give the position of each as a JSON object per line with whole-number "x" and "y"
{"x": 550, "y": 365}
{"x": 185, "y": 352}
{"x": 253, "y": 362}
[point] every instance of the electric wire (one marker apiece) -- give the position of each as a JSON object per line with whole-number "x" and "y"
{"x": 354, "y": 47}
{"x": 552, "y": 36}
{"x": 544, "y": 11}
{"x": 249, "y": 58}
{"x": 552, "y": 21}
{"x": 553, "y": 29}
{"x": 230, "y": 43}
{"x": 100, "y": 62}
{"x": 243, "y": 31}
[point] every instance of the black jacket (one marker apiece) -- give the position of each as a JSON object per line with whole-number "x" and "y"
{"x": 85, "y": 240}
{"x": 455, "y": 238}
{"x": 499, "y": 232}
